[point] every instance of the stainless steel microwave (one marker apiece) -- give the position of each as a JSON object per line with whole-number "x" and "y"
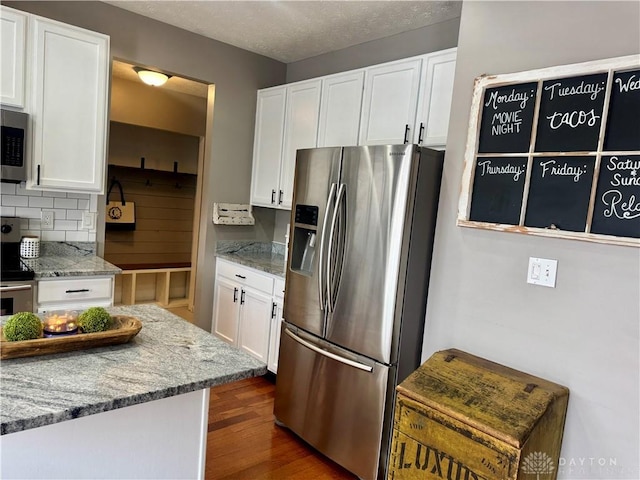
{"x": 14, "y": 126}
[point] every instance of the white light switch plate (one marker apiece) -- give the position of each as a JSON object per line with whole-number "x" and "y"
{"x": 542, "y": 271}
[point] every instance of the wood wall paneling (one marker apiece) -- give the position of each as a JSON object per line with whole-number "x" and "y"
{"x": 164, "y": 204}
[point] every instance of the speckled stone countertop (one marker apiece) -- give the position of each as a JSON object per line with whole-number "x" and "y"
{"x": 265, "y": 256}
{"x": 168, "y": 357}
{"x": 60, "y": 259}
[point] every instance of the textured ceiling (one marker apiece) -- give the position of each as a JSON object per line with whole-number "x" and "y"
{"x": 289, "y": 31}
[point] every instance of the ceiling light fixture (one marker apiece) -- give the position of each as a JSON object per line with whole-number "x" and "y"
{"x": 152, "y": 78}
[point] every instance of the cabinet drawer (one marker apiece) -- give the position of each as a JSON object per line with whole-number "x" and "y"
{"x": 68, "y": 291}
{"x": 278, "y": 287}
{"x": 245, "y": 276}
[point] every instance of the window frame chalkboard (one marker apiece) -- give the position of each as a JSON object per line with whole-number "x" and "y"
{"x": 472, "y": 154}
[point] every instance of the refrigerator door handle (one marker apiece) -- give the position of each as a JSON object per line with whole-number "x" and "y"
{"x": 336, "y": 209}
{"x": 321, "y": 287}
{"x": 333, "y": 356}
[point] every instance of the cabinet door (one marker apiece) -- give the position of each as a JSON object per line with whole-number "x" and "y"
{"x": 301, "y": 131}
{"x": 274, "y": 336}
{"x": 432, "y": 121}
{"x": 340, "y": 109}
{"x": 70, "y": 79}
{"x": 390, "y": 102}
{"x": 13, "y": 31}
{"x": 267, "y": 146}
{"x": 226, "y": 304}
{"x": 255, "y": 321}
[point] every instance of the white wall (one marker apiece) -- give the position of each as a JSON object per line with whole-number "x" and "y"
{"x": 584, "y": 333}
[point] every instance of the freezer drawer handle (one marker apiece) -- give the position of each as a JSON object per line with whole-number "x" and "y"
{"x": 333, "y": 356}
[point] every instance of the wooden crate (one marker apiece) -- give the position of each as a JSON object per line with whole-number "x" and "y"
{"x": 461, "y": 417}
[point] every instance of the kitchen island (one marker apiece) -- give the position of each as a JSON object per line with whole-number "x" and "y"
{"x": 137, "y": 410}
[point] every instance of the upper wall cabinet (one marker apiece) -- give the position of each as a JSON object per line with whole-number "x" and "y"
{"x": 286, "y": 120}
{"x": 340, "y": 108}
{"x": 390, "y": 102}
{"x": 70, "y": 71}
{"x": 434, "y": 104}
{"x": 13, "y": 47}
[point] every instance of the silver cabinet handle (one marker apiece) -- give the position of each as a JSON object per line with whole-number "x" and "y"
{"x": 330, "y": 355}
{"x": 325, "y": 222}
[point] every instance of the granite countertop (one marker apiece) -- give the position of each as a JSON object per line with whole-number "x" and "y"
{"x": 168, "y": 357}
{"x": 264, "y": 256}
{"x": 60, "y": 259}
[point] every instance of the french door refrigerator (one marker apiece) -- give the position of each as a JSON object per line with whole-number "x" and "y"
{"x": 361, "y": 236}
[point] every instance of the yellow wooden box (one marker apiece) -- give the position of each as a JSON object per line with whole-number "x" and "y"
{"x": 461, "y": 417}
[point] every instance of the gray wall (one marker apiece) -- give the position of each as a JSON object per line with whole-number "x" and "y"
{"x": 416, "y": 42}
{"x": 585, "y": 332}
{"x": 237, "y": 75}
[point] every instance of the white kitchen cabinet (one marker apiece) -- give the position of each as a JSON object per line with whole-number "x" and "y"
{"x": 69, "y": 93}
{"x": 242, "y": 308}
{"x": 434, "y": 104}
{"x": 300, "y": 131}
{"x": 340, "y": 108}
{"x": 13, "y": 51}
{"x": 74, "y": 293}
{"x": 267, "y": 146}
{"x": 276, "y": 324}
{"x": 286, "y": 120}
{"x": 390, "y": 102}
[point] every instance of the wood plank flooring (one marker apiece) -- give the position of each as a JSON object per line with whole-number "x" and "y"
{"x": 244, "y": 442}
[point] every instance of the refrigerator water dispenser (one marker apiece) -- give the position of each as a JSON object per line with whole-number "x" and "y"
{"x": 303, "y": 250}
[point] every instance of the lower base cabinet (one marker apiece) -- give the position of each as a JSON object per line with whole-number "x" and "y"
{"x": 76, "y": 293}
{"x": 246, "y": 313}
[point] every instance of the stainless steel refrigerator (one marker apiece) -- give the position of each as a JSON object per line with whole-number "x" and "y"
{"x": 362, "y": 227}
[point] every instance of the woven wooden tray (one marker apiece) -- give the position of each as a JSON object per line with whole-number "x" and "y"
{"x": 122, "y": 330}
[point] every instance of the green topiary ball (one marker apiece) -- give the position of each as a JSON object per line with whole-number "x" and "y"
{"x": 94, "y": 319}
{"x": 22, "y": 326}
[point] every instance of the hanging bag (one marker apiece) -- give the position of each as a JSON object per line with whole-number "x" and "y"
{"x": 120, "y": 215}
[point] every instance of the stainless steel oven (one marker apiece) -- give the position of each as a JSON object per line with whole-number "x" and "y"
{"x": 16, "y": 297}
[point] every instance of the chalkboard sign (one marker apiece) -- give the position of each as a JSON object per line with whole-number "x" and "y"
{"x": 623, "y": 123}
{"x": 559, "y": 193}
{"x": 507, "y": 118}
{"x": 571, "y": 113}
{"x": 556, "y": 152}
{"x": 617, "y": 204}
{"x": 497, "y": 189}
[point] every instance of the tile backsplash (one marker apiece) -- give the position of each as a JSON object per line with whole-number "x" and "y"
{"x": 68, "y": 208}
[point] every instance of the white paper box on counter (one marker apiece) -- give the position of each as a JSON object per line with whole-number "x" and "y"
{"x": 233, "y": 214}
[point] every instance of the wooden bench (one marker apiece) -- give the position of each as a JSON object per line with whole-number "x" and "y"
{"x": 167, "y": 285}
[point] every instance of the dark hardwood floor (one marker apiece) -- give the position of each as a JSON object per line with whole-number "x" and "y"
{"x": 245, "y": 443}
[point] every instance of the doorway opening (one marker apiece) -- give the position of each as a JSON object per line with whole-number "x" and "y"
{"x": 156, "y": 153}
